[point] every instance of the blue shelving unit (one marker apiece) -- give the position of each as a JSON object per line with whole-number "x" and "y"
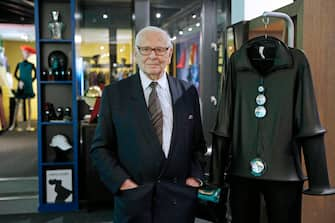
{"x": 61, "y": 92}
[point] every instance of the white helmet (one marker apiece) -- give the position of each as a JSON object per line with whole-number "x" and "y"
{"x": 61, "y": 142}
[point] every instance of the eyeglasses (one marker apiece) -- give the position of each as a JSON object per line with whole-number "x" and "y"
{"x": 146, "y": 51}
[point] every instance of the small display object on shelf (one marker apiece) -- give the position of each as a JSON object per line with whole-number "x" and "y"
{"x": 55, "y": 26}
{"x": 60, "y": 141}
{"x": 59, "y": 186}
{"x": 60, "y": 114}
{"x": 62, "y": 148}
{"x": 67, "y": 114}
{"x": 57, "y": 61}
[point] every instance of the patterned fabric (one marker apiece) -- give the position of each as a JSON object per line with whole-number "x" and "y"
{"x": 156, "y": 111}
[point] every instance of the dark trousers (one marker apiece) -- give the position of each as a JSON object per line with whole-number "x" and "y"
{"x": 282, "y": 200}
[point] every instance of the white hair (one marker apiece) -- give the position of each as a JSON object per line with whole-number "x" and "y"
{"x": 153, "y": 29}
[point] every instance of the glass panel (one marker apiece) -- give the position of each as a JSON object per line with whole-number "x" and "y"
{"x": 104, "y": 42}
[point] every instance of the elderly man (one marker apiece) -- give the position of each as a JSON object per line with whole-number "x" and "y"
{"x": 149, "y": 142}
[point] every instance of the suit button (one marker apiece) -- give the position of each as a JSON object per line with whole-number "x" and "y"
{"x": 174, "y": 202}
{"x": 158, "y": 181}
{"x": 175, "y": 180}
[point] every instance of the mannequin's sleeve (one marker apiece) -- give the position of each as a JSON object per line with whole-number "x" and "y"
{"x": 221, "y": 132}
{"x": 34, "y": 69}
{"x": 220, "y": 159}
{"x": 16, "y": 71}
{"x": 316, "y": 166}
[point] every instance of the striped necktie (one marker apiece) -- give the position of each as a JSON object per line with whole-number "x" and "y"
{"x": 156, "y": 111}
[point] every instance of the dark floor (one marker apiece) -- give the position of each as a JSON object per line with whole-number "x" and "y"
{"x": 97, "y": 216}
{"x": 18, "y": 154}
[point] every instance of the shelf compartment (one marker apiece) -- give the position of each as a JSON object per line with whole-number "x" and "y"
{"x": 58, "y": 189}
{"x": 56, "y": 143}
{"x": 65, "y": 16}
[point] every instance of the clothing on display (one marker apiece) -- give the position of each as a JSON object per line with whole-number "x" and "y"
{"x": 61, "y": 142}
{"x": 4, "y": 85}
{"x": 268, "y": 110}
{"x": 25, "y": 78}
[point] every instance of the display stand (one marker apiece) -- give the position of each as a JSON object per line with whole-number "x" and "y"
{"x": 289, "y": 22}
{"x": 57, "y": 117}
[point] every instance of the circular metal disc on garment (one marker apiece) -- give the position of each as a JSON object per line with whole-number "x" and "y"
{"x": 260, "y": 99}
{"x": 257, "y": 167}
{"x": 260, "y": 111}
{"x": 261, "y": 89}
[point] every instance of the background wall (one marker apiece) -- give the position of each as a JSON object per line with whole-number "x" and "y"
{"x": 319, "y": 45}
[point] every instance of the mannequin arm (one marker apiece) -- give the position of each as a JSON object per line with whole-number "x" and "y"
{"x": 34, "y": 71}
{"x": 16, "y": 71}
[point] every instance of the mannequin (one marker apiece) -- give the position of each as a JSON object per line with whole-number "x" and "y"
{"x": 3, "y": 69}
{"x": 25, "y": 89}
{"x": 3, "y": 123}
{"x": 267, "y": 117}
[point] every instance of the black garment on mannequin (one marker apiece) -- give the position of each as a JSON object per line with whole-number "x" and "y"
{"x": 291, "y": 111}
{"x": 282, "y": 200}
{"x": 291, "y": 121}
{"x": 316, "y": 166}
{"x": 262, "y": 55}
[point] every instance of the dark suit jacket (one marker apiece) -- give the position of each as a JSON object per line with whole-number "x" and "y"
{"x": 126, "y": 146}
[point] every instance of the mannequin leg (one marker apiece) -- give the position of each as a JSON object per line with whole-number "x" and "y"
{"x": 245, "y": 200}
{"x": 14, "y": 124}
{"x": 29, "y": 128}
{"x": 283, "y": 201}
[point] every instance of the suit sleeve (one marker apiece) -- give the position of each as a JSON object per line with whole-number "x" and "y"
{"x": 103, "y": 150}
{"x": 199, "y": 144}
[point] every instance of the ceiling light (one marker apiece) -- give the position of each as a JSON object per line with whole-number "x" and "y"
{"x": 180, "y": 32}
{"x": 77, "y": 38}
{"x": 173, "y": 38}
{"x": 158, "y": 15}
{"x": 197, "y": 24}
{"x": 190, "y": 29}
{"x": 24, "y": 37}
{"x": 104, "y": 16}
{"x": 194, "y": 16}
{"x": 77, "y": 15}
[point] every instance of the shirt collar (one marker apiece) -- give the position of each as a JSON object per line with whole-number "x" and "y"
{"x": 162, "y": 82}
{"x": 283, "y": 57}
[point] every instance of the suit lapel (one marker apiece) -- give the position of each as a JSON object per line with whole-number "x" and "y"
{"x": 140, "y": 110}
{"x": 175, "y": 94}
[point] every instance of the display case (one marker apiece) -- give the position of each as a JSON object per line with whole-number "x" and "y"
{"x": 57, "y": 106}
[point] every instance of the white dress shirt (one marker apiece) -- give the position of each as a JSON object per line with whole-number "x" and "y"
{"x": 163, "y": 92}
